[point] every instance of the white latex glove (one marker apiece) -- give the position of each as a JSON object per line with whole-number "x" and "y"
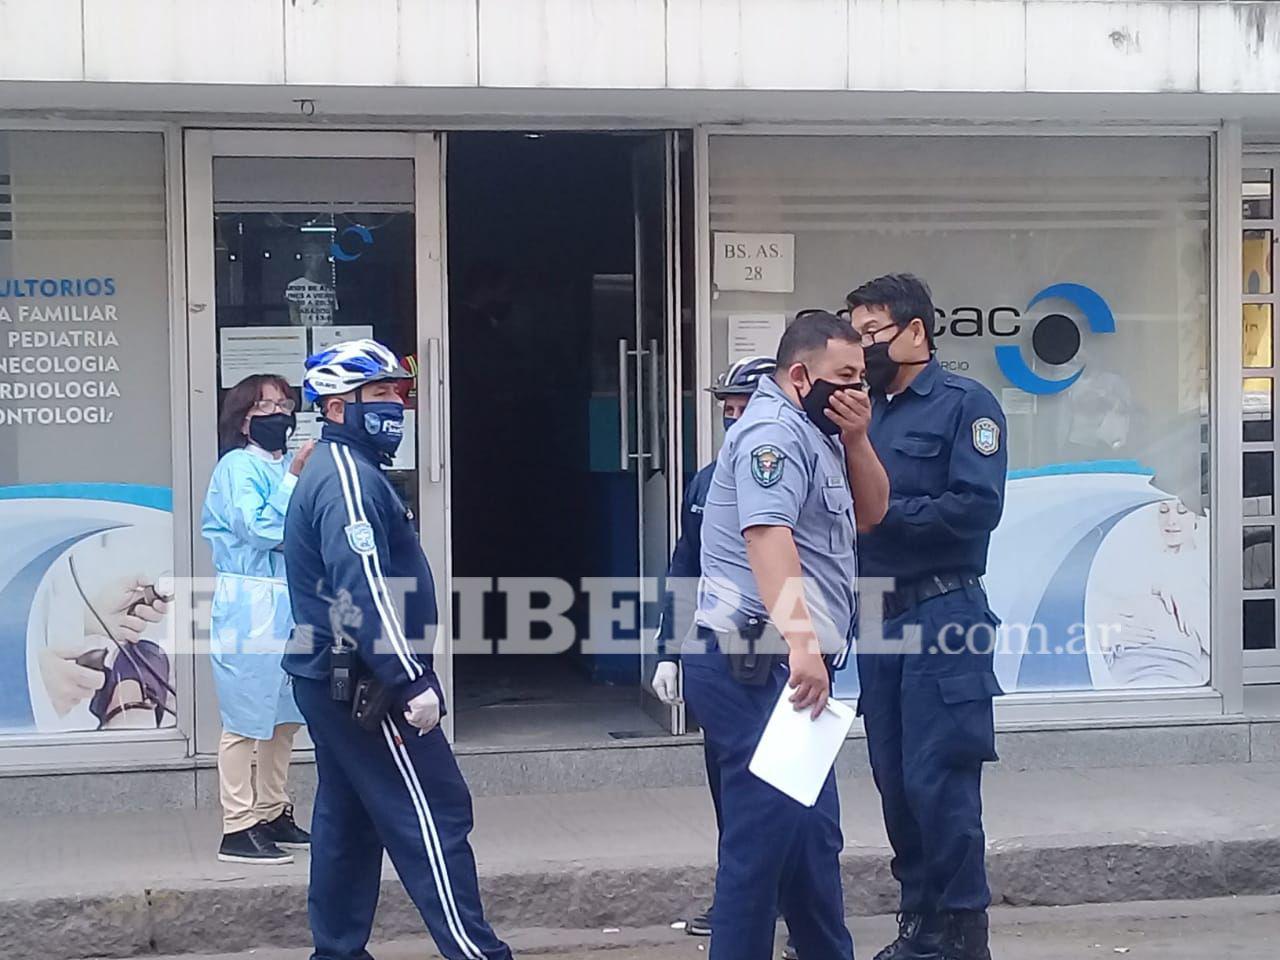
{"x": 666, "y": 682}
{"x": 424, "y": 711}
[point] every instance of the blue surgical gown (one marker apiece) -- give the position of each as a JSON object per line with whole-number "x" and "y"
{"x": 243, "y": 520}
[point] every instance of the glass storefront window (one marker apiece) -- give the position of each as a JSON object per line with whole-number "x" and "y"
{"x": 1258, "y": 399}
{"x": 1012, "y": 233}
{"x": 1257, "y": 331}
{"x": 1259, "y": 199}
{"x": 1257, "y": 261}
{"x": 86, "y": 465}
{"x": 1259, "y": 558}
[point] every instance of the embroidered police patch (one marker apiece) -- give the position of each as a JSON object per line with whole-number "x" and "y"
{"x": 360, "y": 536}
{"x": 766, "y": 465}
{"x": 986, "y": 436}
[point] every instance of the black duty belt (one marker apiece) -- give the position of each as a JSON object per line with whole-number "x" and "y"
{"x": 911, "y": 593}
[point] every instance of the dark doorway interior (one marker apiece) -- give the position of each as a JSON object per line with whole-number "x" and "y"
{"x": 541, "y": 236}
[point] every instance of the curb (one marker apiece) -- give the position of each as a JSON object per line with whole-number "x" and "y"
{"x": 221, "y": 917}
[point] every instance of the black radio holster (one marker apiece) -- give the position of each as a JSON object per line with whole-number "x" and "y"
{"x": 752, "y": 652}
{"x": 371, "y": 704}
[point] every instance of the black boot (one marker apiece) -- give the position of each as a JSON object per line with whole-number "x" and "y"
{"x": 919, "y": 938}
{"x": 965, "y": 935}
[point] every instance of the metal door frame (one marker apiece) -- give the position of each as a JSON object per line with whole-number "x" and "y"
{"x": 200, "y": 146}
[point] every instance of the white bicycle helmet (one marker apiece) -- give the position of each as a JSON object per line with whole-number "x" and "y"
{"x": 348, "y": 366}
{"x": 742, "y": 377}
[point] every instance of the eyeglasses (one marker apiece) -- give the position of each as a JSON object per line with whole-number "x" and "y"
{"x": 274, "y": 406}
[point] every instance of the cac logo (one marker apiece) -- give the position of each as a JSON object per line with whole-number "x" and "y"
{"x": 1056, "y": 338}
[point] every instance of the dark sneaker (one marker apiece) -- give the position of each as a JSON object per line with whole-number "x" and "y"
{"x": 919, "y": 938}
{"x": 284, "y": 831}
{"x": 251, "y": 846}
{"x": 699, "y": 926}
{"x": 789, "y": 951}
{"x": 965, "y": 936}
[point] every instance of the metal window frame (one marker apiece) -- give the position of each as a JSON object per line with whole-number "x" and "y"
{"x": 88, "y": 750}
{"x": 1261, "y": 666}
{"x": 1224, "y": 695}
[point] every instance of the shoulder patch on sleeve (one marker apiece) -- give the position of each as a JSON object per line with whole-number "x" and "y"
{"x": 986, "y": 436}
{"x": 360, "y": 537}
{"x": 767, "y": 462}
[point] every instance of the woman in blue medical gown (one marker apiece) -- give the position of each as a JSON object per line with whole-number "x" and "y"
{"x": 243, "y": 520}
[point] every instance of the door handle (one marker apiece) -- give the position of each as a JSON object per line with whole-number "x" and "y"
{"x": 624, "y": 406}
{"x": 655, "y": 398}
{"x": 435, "y": 411}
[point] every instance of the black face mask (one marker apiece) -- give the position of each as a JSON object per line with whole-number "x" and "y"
{"x": 815, "y": 403}
{"x": 272, "y": 431}
{"x": 882, "y": 369}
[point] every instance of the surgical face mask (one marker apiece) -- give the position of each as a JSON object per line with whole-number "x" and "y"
{"x": 381, "y": 422}
{"x": 729, "y": 422}
{"x": 272, "y": 431}
{"x": 815, "y": 403}
{"x": 882, "y": 369}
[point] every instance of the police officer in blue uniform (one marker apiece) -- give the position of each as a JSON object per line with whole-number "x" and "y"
{"x": 732, "y": 390}
{"x": 365, "y": 612}
{"x": 776, "y": 594}
{"x": 928, "y": 709}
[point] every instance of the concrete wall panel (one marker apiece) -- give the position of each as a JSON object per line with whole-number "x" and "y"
{"x": 937, "y": 45}
{"x": 573, "y": 43}
{"x": 162, "y": 41}
{"x": 754, "y": 45}
{"x": 1118, "y": 47}
{"x": 41, "y": 41}
{"x": 1240, "y": 48}
{"x": 422, "y": 43}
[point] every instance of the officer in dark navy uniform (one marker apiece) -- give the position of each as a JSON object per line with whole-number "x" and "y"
{"x": 928, "y": 711}
{"x": 365, "y": 608}
{"x": 732, "y": 389}
{"x": 794, "y": 480}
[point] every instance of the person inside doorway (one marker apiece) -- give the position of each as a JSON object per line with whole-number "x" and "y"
{"x": 243, "y": 520}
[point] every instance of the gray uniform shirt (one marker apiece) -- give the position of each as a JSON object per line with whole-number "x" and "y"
{"x": 777, "y": 469}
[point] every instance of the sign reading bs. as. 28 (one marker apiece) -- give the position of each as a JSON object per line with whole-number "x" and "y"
{"x": 763, "y": 262}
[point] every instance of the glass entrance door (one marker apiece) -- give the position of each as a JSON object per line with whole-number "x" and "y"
{"x": 650, "y": 385}
{"x": 316, "y": 239}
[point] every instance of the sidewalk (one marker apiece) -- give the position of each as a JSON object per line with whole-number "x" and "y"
{"x": 130, "y": 884}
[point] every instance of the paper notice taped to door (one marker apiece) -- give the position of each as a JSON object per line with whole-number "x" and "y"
{"x": 755, "y": 334}
{"x": 796, "y": 752}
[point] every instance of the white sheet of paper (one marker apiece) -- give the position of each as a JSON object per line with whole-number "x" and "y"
{"x": 246, "y": 350}
{"x": 796, "y": 753}
{"x": 755, "y": 334}
{"x": 322, "y": 337}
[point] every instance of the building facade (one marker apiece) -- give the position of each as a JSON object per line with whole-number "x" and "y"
{"x": 569, "y": 215}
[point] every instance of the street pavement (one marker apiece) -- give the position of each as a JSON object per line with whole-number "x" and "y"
{"x": 1224, "y": 929}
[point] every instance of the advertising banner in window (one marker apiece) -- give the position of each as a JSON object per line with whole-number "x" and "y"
{"x": 86, "y": 638}
{"x": 1071, "y": 277}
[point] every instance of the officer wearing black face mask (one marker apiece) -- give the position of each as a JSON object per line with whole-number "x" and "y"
{"x": 928, "y": 714}
{"x": 365, "y": 606}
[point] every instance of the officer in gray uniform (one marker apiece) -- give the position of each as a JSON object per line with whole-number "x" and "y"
{"x": 778, "y": 536}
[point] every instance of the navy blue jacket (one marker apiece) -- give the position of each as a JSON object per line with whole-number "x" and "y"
{"x": 943, "y": 443}
{"x": 354, "y": 562}
{"x": 686, "y": 565}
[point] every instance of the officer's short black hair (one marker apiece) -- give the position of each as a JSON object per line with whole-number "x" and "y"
{"x": 810, "y": 332}
{"x": 904, "y": 295}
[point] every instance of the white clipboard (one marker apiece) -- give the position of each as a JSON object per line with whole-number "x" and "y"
{"x": 795, "y": 752}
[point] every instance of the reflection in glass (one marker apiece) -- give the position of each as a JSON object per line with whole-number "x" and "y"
{"x": 1259, "y": 558}
{"x": 1257, "y": 261}
{"x": 1256, "y": 328}
{"x": 1259, "y": 483}
{"x": 1257, "y": 409}
{"x": 1258, "y": 194}
{"x": 1259, "y": 624}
